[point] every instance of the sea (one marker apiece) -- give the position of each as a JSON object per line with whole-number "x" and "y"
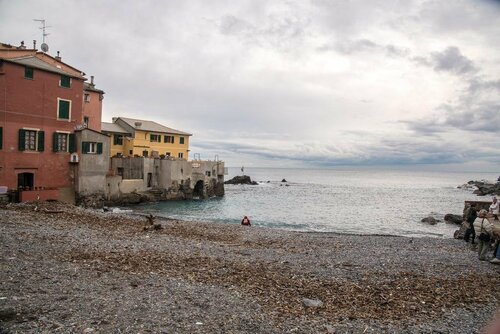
{"x": 366, "y": 201}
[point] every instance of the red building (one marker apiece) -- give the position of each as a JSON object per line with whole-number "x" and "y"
{"x": 42, "y": 102}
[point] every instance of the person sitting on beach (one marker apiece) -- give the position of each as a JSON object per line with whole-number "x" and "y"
{"x": 494, "y": 208}
{"x": 483, "y": 229}
{"x": 245, "y": 221}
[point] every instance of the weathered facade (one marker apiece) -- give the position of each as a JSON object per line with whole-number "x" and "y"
{"x": 164, "y": 179}
{"x": 40, "y": 106}
{"x": 91, "y": 163}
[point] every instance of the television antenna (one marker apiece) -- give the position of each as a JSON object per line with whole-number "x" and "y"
{"x": 44, "y": 46}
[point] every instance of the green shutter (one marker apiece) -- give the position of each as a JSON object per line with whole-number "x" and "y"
{"x": 173, "y": 139}
{"x": 164, "y": 139}
{"x": 41, "y": 141}
{"x": 28, "y": 72}
{"x": 1, "y": 138}
{"x": 99, "y": 148}
{"x": 63, "y": 109}
{"x": 65, "y": 81}
{"x": 181, "y": 140}
{"x": 22, "y": 139}
{"x": 85, "y": 147}
{"x": 72, "y": 143}
{"x": 54, "y": 142}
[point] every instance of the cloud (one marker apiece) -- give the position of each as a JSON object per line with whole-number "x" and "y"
{"x": 449, "y": 60}
{"x": 348, "y": 47}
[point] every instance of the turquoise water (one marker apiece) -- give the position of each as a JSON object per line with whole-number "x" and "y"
{"x": 364, "y": 201}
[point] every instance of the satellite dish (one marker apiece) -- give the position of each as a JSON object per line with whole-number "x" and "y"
{"x": 44, "y": 47}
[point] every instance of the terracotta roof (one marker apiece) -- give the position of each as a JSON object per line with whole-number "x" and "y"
{"x": 32, "y": 61}
{"x": 113, "y": 128}
{"x": 152, "y": 126}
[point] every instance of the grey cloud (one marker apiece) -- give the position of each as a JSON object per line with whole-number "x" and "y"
{"x": 449, "y": 60}
{"x": 364, "y": 45}
{"x": 452, "y": 60}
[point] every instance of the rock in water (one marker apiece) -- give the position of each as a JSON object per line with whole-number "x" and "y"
{"x": 455, "y": 219}
{"x": 312, "y": 302}
{"x": 241, "y": 179}
{"x": 284, "y": 180}
{"x": 430, "y": 220}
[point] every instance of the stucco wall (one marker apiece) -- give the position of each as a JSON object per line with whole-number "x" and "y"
{"x": 92, "y": 168}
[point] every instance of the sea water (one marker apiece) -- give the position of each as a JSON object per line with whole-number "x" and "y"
{"x": 360, "y": 201}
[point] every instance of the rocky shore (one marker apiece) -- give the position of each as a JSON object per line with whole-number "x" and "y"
{"x": 71, "y": 270}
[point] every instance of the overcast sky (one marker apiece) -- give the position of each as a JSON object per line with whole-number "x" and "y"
{"x": 292, "y": 83}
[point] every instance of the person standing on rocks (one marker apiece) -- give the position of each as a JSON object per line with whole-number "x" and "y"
{"x": 483, "y": 229}
{"x": 245, "y": 221}
{"x": 470, "y": 216}
{"x": 494, "y": 208}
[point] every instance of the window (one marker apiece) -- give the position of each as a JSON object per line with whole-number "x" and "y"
{"x": 167, "y": 154}
{"x": 181, "y": 155}
{"x": 86, "y": 98}
{"x": 168, "y": 139}
{"x": 207, "y": 173}
{"x": 86, "y": 121}
{"x": 60, "y": 143}
{"x": 155, "y": 138}
{"x": 31, "y": 140}
{"x": 63, "y": 109}
{"x": 145, "y": 153}
{"x": 91, "y": 148}
{"x": 181, "y": 140}
{"x": 28, "y": 73}
{"x": 65, "y": 81}
{"x": 117, "y": 140}
{"x": 63, "y": 142}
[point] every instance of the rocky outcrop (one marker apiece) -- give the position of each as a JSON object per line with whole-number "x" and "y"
{"x": 430, "y": 220}
{"x": 455, "y": 219}
{"x": 241, "y": 179}
{"x": 483, "y": 188}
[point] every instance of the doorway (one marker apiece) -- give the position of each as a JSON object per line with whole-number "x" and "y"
{"x": 25, "y": 181}
{"x": 198, "y": 189}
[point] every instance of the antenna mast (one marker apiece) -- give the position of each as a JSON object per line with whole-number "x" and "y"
{"x": 43, "y": 27}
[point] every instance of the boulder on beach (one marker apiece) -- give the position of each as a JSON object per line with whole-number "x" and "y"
{"x": 241, "y": 179}
{"x": 455, "y": 219}
{"x": 430, "y": 220}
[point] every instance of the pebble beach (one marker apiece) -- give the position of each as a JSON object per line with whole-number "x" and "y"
{"x": 66, "y": 269}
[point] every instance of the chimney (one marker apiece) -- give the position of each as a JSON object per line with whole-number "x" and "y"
{"x": 22, "y": 45}
{"x": 58, "y": 57}
{"x": 34, "y": 44}
{"x": 114, "y": 119}
{"x": 92, "y": 80}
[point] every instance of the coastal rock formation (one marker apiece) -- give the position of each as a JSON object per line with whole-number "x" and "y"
{"x": 483, "y": 188}
{"x": 284, "y": 180}
{"x": 430, "y": 220}
{"x": 241, "y": 179}
{"x": 455, "y": 219}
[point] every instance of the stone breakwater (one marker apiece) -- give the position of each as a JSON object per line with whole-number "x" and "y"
{"x": 67, "y": 269}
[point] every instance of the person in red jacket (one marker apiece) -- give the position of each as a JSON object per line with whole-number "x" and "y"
{"x": 245, "y": 221}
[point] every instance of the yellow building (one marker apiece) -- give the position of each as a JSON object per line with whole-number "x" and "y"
{"x": 136, "y": 137}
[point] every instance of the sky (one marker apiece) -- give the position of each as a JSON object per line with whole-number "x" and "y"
{"x": 306, "y": 83}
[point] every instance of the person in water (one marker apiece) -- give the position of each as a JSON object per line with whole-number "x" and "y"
{"x": 245, "y": 221}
